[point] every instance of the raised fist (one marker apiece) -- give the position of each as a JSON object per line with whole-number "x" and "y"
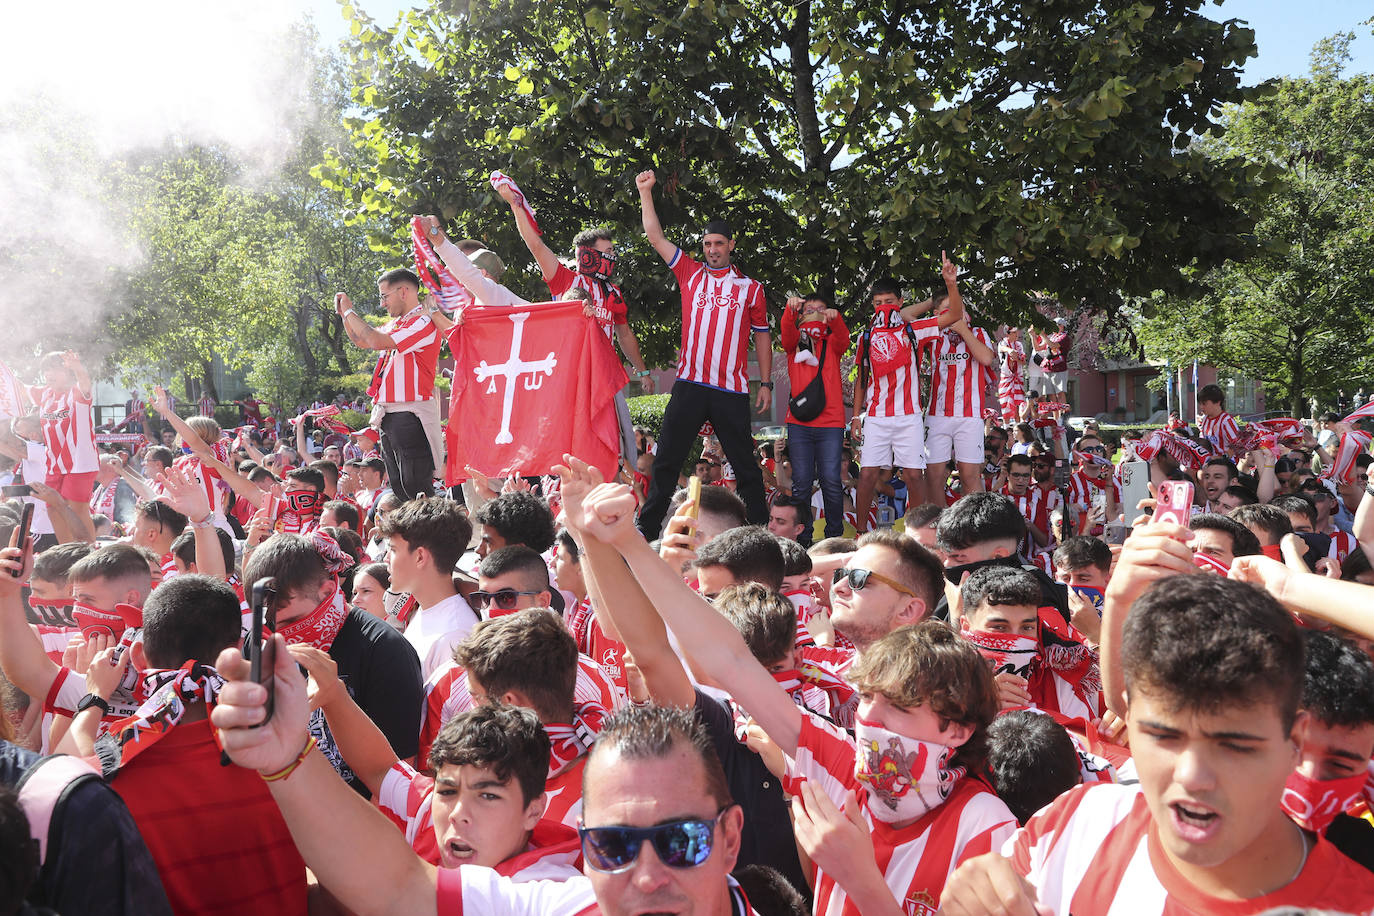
{"x": 645, "y": 180}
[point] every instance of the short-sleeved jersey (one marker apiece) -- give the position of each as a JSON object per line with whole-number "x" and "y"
{"x": 68, "y": 430}
{"x": 1221, "y": 430}
{"x": 915, "y": 860}
{"x": 407, "y": 372}
{"x": 958, "y": 382}
{"x": 447, "y": 694}
{"x": 1094, "y": 851}
{"x": 720, "y": 310}
{"x": 593, "y": 642}
{"x": 1031, "y": 505}
{"x": 608, "y": 303}
{"x": 474, "y": 889}
{"x": 898, "y": 393}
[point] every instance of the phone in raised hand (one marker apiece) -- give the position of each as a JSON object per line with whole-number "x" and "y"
{"x": 1174, "y": 502}
{"x": 20, "y": 537}
{"x": 262, "y": 659}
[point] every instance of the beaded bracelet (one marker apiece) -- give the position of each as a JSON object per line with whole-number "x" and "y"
{"x": 291, "y": 767}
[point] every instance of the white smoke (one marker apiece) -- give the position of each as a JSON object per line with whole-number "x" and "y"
{"x": 83, "y": 83}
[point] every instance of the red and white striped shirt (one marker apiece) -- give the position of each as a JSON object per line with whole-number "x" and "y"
{"x": 898, "y": 393}
{"x": 593, "y": 642}
{"x": 720, "y": 309}
{"x": 1094, "y": 851}
{"x": 1031, "y": 505}
{"x": 1087, "y": 492}
{"x": 447, "y": 695}
{"x": 207, "y": 406}
{"x": 1222, "y": 429}
{"x": 1342, "y": 543}
{"x": 915, "y": 860}
{"x": 68, "y": 430}
{"x": 836, "y": 661}
{"x": 407, "y": 373}
{"x": 407, "y": 799}
{"x": 958, "y": 382}
{"x": 608, "y": 303}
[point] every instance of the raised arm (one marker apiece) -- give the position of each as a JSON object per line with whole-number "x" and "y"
{"x": 362, "y": 744}
{"x": 242, "y": 486}
{"x": 185, "y": 494}
{"x": 375, "y": 872}
{"x": 543, "y": 254}
{"x": 21, "y": 654}
{"x": 976, "y": 348}
{"x": 163, "y": 404}
{"x": 714, "y": 647}
{"x": 66, "y": 527}
{"x": 362, "y": 334}
{"x": 955, "y": 310}
{"x": 1349, "y": 605}
{"x": 630, "y": 617}
{"x": 645, "y": 182}
{"x": 72, "y": 361}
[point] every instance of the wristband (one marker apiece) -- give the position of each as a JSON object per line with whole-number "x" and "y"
{"x": 207, "y": 522}
{"x": 286, "y": 771}
{"x": 1369, "y": 488}
{"x": 346, "y": 314}
{"x": 641, "y": 373}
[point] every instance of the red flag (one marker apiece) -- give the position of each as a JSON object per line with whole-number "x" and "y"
{"x": 530, "y": 383}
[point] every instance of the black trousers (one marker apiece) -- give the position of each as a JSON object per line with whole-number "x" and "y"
{"x": 409, "y": 461}
{"x": 690, "y": 406}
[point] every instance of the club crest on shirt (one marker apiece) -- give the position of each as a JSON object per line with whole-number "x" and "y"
{"x": 920, "y": 903}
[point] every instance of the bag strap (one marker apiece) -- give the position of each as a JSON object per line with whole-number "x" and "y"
{"x": 44, "y": 789}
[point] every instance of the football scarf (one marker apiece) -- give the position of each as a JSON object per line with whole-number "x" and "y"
{"x": 323, "y": 416}
{"x": 52, "y": 612}
{"x": 1186, "y": 452}
{"x": 434, "y": 273}
{"x": 321, "y": 626}
{"x": 500, "y": 179}
{"x": 570, "y": 741}
{"x": 1314, "y": 803}
{"x": 905, "y": 777}
{"x": 1352, "y": 445}
{"x": 169, "y": 694}
{"x": 1006, "y": 651}
{"x": 94, "y": 621}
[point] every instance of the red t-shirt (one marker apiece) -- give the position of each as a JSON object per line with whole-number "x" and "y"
{"x": 608, "y": 304}
{"x": 799, "y": 375}
{"x": 215, "y": 833}
{"x": 720, "y": 310}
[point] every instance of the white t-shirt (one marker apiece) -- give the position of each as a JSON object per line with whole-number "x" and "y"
{"x": 434, "y": 631}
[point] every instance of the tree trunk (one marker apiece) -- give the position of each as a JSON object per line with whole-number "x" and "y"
{"x": 208, "y": 381}
{"x": 304, "y": 306}
{"x": 1298, "y": 374}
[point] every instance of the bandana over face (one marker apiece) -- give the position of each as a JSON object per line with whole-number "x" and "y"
{"x": 321, "y": 626}
{"x": 94, "y": 621}
{"x": 1007, "y": 652}
{"x": 905, "y": 777}
{"x": 595, "y": 263}
{"x": 1314, "y": 803}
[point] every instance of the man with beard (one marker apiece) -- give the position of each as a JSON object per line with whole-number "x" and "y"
{"x": 594, "y": 250}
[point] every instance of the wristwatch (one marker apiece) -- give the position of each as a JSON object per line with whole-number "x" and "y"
{"x": 90, "y": 700}
{"x": 768, "y": 384}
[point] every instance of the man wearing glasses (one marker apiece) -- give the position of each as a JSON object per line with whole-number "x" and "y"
{"x": 659, "y": 830}
{"x": 1029, "y": 500}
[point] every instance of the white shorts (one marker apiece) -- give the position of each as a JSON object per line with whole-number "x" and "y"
{"x": 893, "y": 442}
{"x": 961, "y": 436}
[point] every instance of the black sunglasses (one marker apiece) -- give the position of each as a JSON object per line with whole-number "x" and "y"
{"x": 858, "y": 578}
{"x": 504, "y": 599}
{"x": 679, "y": 844}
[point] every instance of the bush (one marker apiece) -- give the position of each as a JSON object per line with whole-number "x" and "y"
{"x": 647, "y": 411}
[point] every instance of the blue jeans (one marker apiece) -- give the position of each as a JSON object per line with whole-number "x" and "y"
{"x": 816, "y": 453}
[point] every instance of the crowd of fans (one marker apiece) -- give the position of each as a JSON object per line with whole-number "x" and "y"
{"x": 948, "y": 656}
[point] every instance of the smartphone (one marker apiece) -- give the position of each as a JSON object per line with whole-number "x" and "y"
{"x": 1116, "y": 532}
{"x": 16, "y": 490}
{"x": 694, "y": 495}
{"x": 1174, "y": 502}
{"x": 20, "y": 537}
{"x": 262, "y": 661}
{"x": 1135, "y": 486}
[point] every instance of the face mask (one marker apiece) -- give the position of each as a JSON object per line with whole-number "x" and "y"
{"x": 1314, "y": 803}
{"x": 905, "y": 777}
{"x": 93, "y": 621}
{"x": 592, "y": 262}
{"x": 955, "y": 574}
{"x": 304, "y": 503}
{"x": 1007, "y": 652}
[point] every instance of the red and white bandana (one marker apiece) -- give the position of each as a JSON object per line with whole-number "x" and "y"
{"x": 905, "y": 777}
{"x": 1006, "y": 651}
{"x": 434, "y": 273}
{"x": 500, "y": 179}
{"x": 572, "y": 741}
{"x": 169, "y": 693}
{"x": 94, "y": 621}
{"x": 321, "y": 626}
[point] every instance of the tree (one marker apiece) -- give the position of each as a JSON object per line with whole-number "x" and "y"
{"x": 1297, "y": 316}
{"x": 1047, "y": 146}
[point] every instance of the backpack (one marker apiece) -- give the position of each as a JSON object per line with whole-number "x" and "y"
{"x": 888, "y": 349}
{"x": 43, "y": 792}
{"x": 808, "y": 405}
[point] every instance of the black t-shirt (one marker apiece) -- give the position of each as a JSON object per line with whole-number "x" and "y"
{"x": 767, "y": 838}
{"x": 382, "y": 673}
{"x": 1354, "y": 837}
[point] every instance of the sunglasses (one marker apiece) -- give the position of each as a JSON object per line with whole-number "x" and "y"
{"x": 504, "y": 599}
{"x": 679, "y": 844}
{"x": 858, "y": 578}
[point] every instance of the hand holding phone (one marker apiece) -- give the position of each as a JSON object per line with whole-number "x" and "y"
{"x": 17, "y": 490}
{"x": 262, "y": 657}
{"x": 1174, "y": 502}
{"x": 20, "y": 536}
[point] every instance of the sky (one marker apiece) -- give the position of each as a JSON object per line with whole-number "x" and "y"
{"x": 1284, "y": 30}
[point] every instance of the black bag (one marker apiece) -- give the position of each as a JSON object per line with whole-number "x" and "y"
{"x": 808, "y": 405}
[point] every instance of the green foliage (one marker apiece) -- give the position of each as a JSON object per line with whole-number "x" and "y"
{"x": 1297, "y": 316}
{"x": 1046, "y": 146}
{"x": 647, "y": 411}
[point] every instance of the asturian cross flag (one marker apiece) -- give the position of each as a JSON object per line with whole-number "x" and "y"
{"x": 531, "y": 383}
